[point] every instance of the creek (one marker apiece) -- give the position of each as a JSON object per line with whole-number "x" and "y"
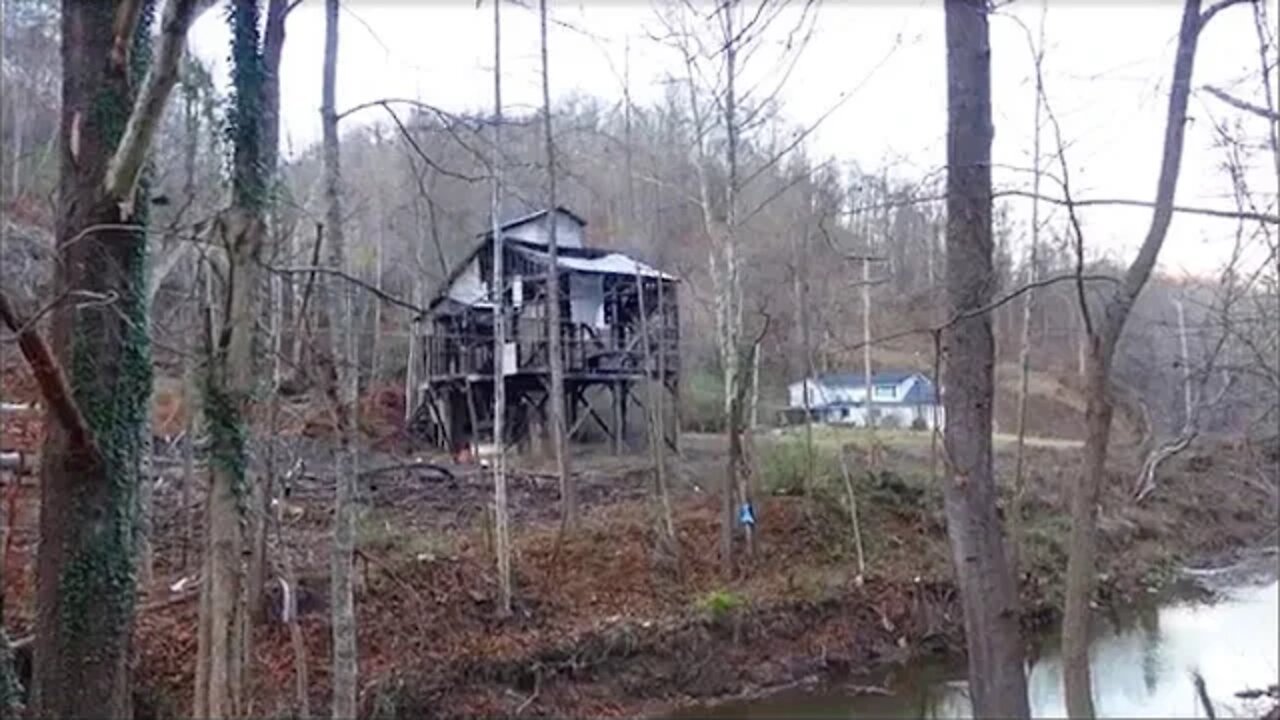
{"x": 1142, "y": 660}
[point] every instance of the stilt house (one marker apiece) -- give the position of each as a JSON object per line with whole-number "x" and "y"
{"x": 606, "y": 300}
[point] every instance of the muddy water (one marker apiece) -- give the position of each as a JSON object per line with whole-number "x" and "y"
{"x": 1142, "y": 667}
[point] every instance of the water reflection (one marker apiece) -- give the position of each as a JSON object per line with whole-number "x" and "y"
{"x": 1141, "y": 668}
{"x": 1144, "y": 669}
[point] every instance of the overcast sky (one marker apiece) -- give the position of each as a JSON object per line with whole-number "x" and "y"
{"x": 1107, "y": 70}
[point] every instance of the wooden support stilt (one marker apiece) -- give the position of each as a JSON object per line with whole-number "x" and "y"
{"x": 471, "y": 414}
{"x": 622, "y": 414}
{"x": 578, "y": 419}
{"x": 672, "y": 383}
{"x": 619, "y": 401}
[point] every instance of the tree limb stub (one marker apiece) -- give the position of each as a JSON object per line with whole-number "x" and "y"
{"x": 52, "y": 380}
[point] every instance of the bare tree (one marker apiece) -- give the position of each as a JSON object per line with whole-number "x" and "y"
{"x": 665, "y": 524}
{"x": 729, "y": 299}
{"x": 342, "y": 385}
{"x": 568, "y": 491}
{"x": 497, "y": 289}
{"x": 800, "y": 279}
{"x": 1195, "y": 403}
{"x": 1103, "y": 332}
{"x": 997, "y": 682}
{"x": 1028, "y": 308}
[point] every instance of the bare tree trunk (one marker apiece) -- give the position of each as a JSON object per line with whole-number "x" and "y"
{"x": 755, "y": 393}
{"x": 419, "y": 299}
{"x": 258, "y": 566}
{"x": 627, "y": 146}
{"x": 343, "y": 381}
{"x": 15, "y": 153}
{"x": 868, "y": 404}
{"x": 1028, "y": 306}
{"x": 379, "y": 248}
{"x": 1103, "y": 339}
{"x": 730, "y": 295}
{"x": 568, "y": 490}
{"x": 1188, "y": 402}
{"x": 801, "y": 283}
{"x": 930, "y": 249}
{"x": 1082, "y": 350}
{"x": 997, "y": 683}
{"x": 289, "y": 613}
{"x": 852, "y": 499}
{"x": 502, "y": 544}
{"x": 657, "y": 434}
{"x": 189, "y": 427}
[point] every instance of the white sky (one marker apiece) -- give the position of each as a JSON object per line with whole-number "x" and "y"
{"x": 1107, "y": 69}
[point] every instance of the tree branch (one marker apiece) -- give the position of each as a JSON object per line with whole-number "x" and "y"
{"x": 408, "y": 138}
{"x": 984, "y": 309}
{"x": 53, "y": 382}
{"x": 1119, "y": 305}
{"x": 1216, "y": 8}
{"x": 126, "y": 163}
{"x": 377, "y": 292}
{"x": 1260, "y": 217}
{"x": 1264, "y": 113}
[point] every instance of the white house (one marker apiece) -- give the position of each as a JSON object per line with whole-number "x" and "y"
{"x": 898, "y": 399}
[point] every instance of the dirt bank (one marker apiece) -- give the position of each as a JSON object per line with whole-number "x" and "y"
{"x": 604, "y": 627}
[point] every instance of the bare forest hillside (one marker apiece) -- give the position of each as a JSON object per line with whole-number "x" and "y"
{"x": 505, "y": 407}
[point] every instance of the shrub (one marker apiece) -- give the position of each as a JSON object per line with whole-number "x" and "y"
{"x": 783, "y": 464}
{"x": 919, "y": 424}
{"x": 702, "y": 402}
{"x": 720, "y": 604}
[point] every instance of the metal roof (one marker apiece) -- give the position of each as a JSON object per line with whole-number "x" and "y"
{"x": 922, "y": 391}
{"x": 856, "y": 380}
{"x": 526, "y": 219}
{"x": 610, "y": 263}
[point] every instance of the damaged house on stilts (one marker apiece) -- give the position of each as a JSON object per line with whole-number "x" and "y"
{"x": 606, "y": 300}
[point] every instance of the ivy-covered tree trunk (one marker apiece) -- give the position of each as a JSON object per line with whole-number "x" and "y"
{"x": 85, "y": 570}
{"x": 269, "y": 118}
{"x": 97, "y": 394}
{"x": 223, "y": 637}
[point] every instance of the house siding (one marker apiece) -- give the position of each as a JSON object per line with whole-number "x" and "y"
{"x": 568, "y": 232}
{"x": 907, "y": 404}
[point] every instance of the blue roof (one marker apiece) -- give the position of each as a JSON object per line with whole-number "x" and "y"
{"x": 922, "y": 392}
{"x": 853, "y": 380}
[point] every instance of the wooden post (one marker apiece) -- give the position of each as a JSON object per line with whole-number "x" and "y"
{"x": 619, "y": 401}
{"x": 670, "y": 320}
{"x": 625, "y": 388}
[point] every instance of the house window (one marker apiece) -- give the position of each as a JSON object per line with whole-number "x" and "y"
{"x": 884, "y": 392}
{"x": 844, "y": 413}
